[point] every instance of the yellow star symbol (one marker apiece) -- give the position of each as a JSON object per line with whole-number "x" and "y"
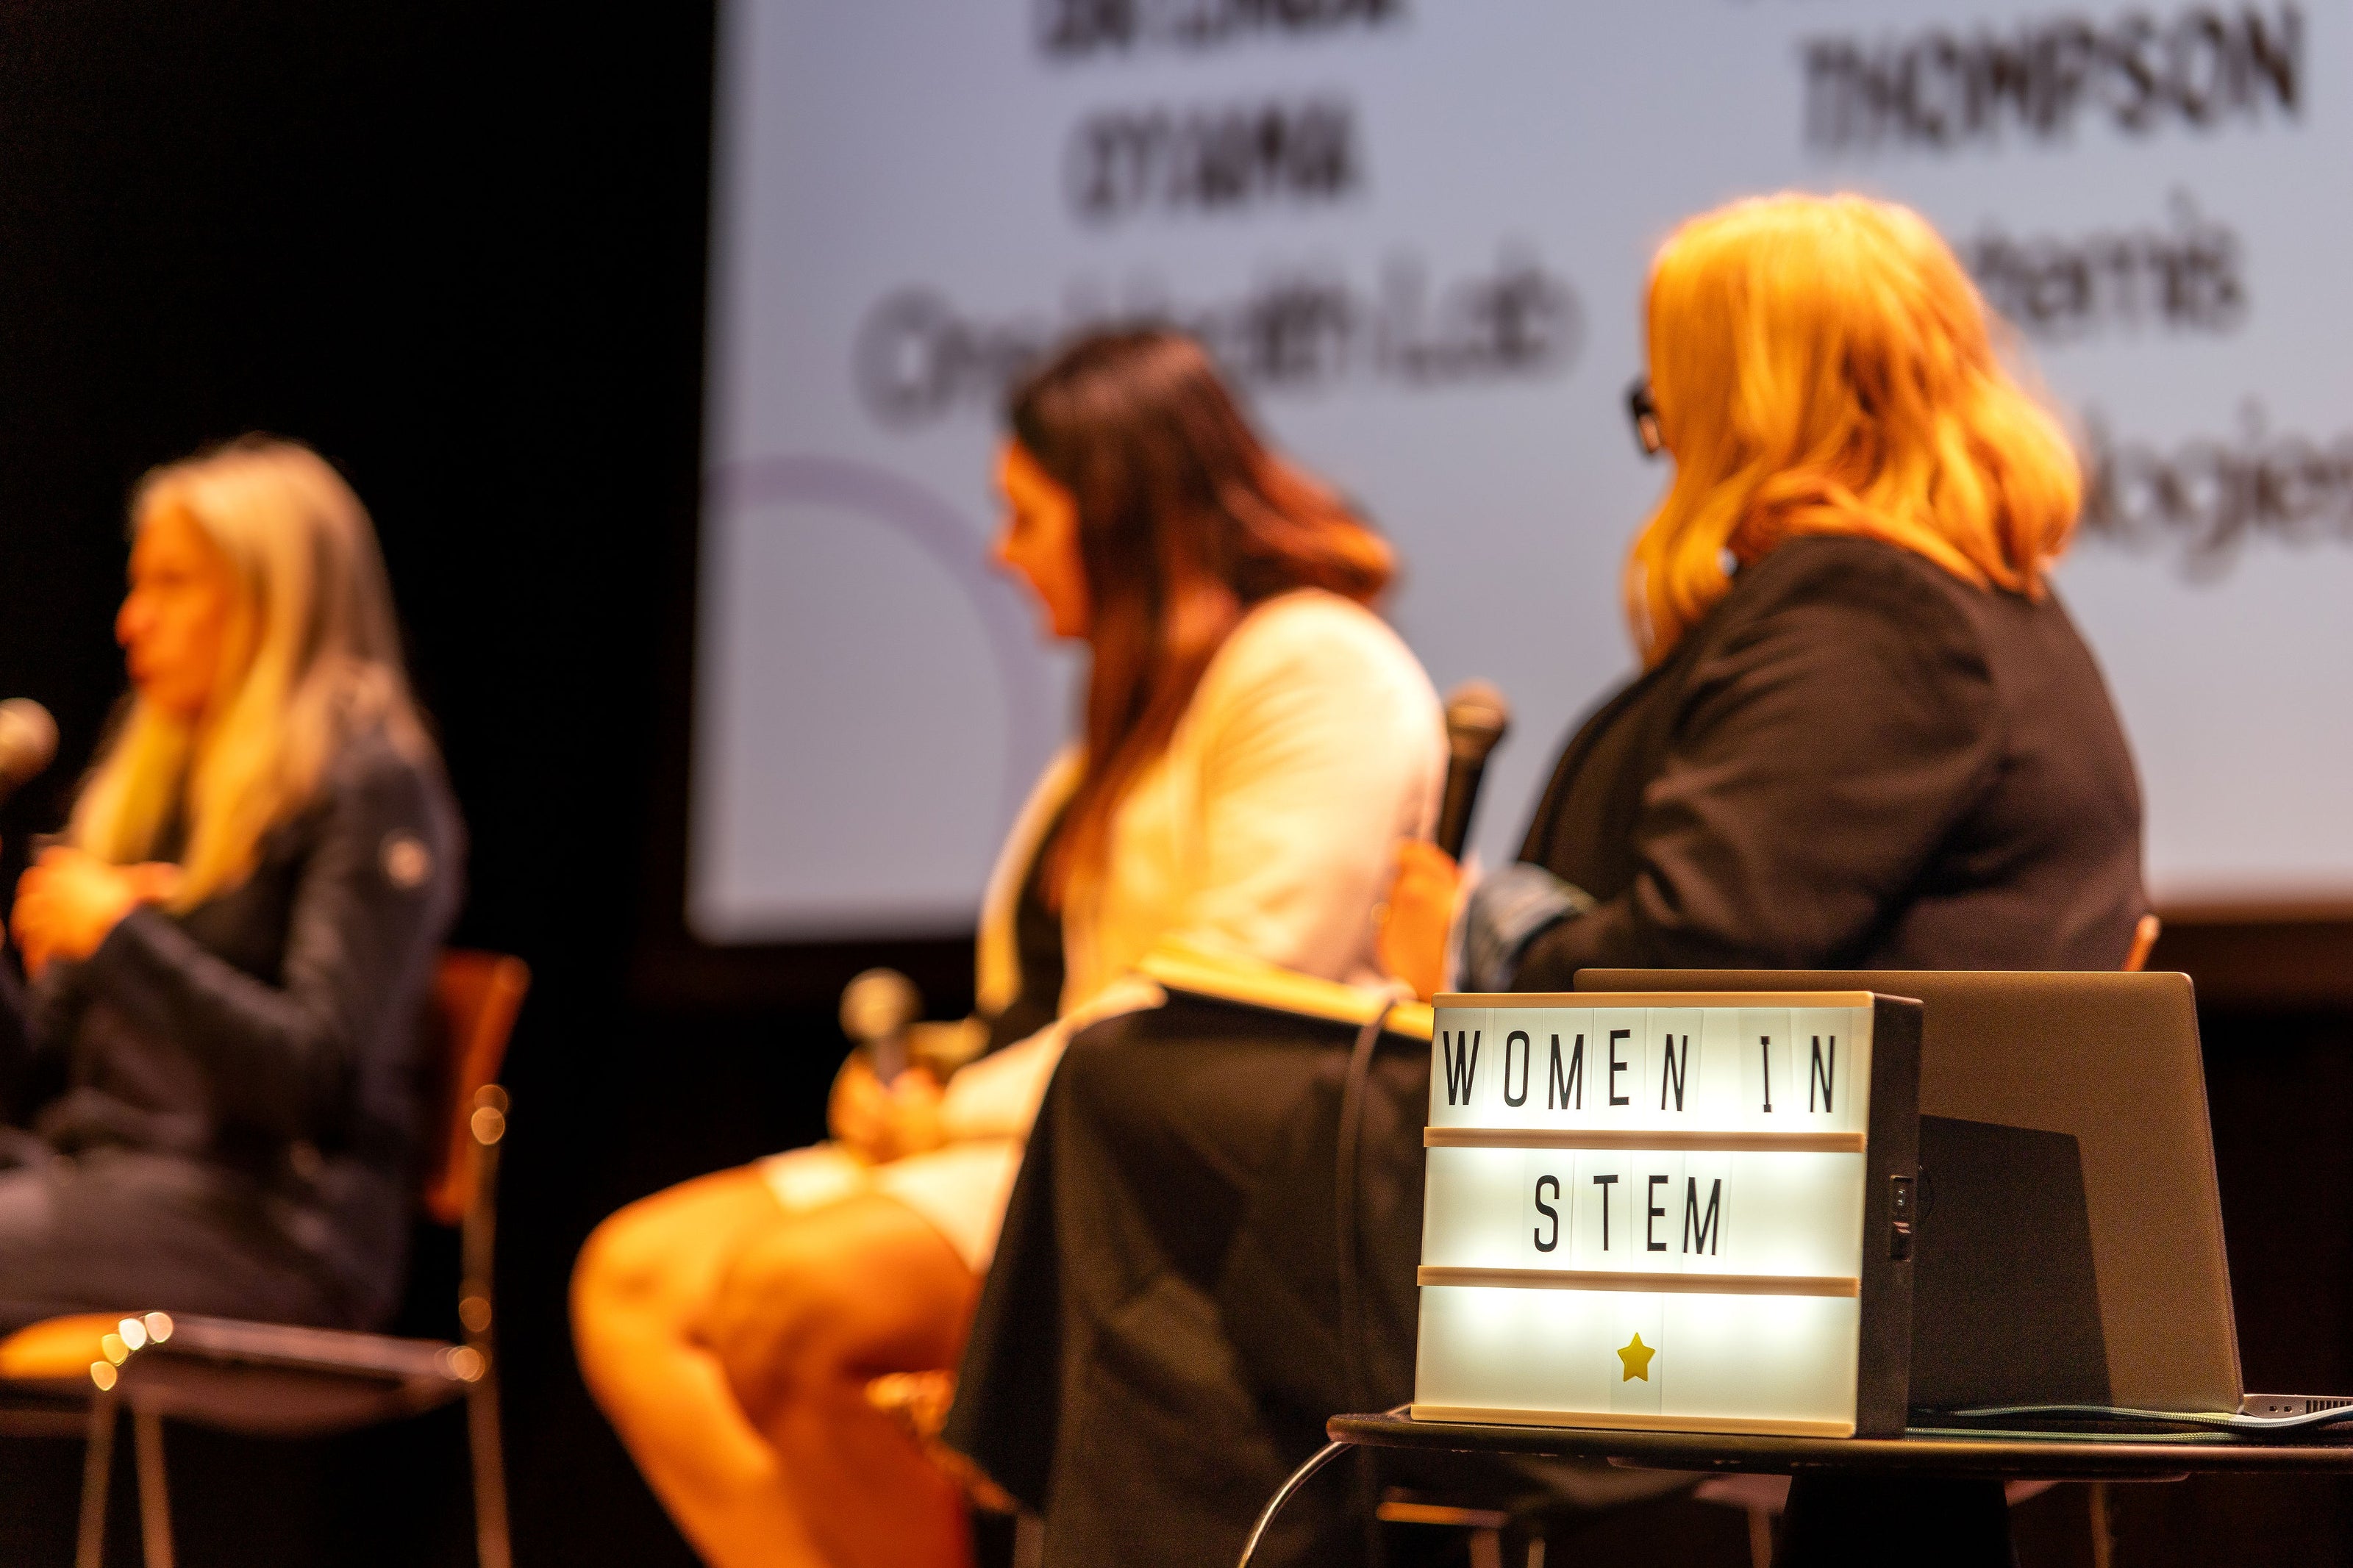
{"x": 1637, "y": 1357}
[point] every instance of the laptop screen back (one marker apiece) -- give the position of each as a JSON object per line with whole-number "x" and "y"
{"x": 2110, "y": 1062}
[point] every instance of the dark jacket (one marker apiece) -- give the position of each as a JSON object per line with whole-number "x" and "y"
{"x": 1854, "y": 760}
{"x": 273, "y": 1030}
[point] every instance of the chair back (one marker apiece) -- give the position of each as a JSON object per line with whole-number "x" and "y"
{"x": 476, "y": 996}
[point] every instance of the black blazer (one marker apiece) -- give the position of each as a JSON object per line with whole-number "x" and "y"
{"x": 272, "y": 1031}
{"x": 1854, "y": 760}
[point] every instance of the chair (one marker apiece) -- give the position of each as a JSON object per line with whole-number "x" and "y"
{"x": 71, "y": 1375}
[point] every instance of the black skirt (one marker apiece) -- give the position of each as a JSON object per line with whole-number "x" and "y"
{"x": 1164, "y": 1330}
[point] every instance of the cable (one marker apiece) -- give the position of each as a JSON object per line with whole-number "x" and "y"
{"x": 1344, "y": 1202}
{"x": 1344, "y": 1224}
{"x": 1283, "y": 1494}
{"x": 2213, "y": 1418}
{"x": 1299, "y": 1478}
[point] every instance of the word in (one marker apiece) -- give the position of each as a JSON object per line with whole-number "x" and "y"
{"x": 1564, "y": 1078}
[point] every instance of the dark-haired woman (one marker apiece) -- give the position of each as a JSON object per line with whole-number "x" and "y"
{"x": 1255, "y": 740}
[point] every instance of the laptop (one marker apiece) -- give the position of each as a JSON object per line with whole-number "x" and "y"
{"x": 2071, "y": 1255}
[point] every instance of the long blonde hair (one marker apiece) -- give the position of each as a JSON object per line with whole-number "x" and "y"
{"x": 324, "y": 664}
{"x": 1822, "y": 364}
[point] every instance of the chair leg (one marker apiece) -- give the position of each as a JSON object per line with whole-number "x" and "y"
{"x": 155, "y": 1495}
{"x": 1029, "y": 1540}
{"x": 97, "y": 1470}
{"x": 491, "y": 1546}
{"x": 2103, "y": 1539}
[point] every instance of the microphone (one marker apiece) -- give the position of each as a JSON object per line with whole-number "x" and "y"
{"x": 28, "y": 739}
{"x": 1477, "y": 719}
{"x": 876, "y": 1008}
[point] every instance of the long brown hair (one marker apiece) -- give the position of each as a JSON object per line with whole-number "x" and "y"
{"x": 1186, "y": 521}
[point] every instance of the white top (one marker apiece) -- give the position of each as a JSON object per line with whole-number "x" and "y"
{"x": 1268, "y": 828}
{"x": 1266, "y": 831}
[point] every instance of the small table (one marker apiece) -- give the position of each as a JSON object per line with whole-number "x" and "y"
{"x": 1932, "y": 1495}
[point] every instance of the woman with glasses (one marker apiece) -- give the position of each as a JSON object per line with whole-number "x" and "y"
{"x": 1866, "y": 734}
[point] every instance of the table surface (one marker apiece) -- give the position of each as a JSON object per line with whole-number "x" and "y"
{"x": 1994, "y": 1456}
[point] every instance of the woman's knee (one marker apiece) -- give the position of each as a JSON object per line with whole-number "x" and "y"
{"x": 816, "y": 1305}
{"x": 613, "y": 1289}
{"x": 778, "y": 1317}
{"x": 658, "y": 1257}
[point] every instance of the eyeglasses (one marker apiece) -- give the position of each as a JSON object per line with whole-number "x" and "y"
{"x": 1643, "y": 409}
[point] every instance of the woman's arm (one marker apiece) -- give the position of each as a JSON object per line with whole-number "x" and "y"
{"x": 1321, "y": 747}
{"x": 1822, "y": 759}
{"x": 376, "y": 893}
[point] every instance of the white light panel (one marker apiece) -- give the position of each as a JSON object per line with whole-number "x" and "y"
{"x": 1646, "y": 1215}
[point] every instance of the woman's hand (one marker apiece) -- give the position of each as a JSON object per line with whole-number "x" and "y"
{"x": 880, "y": 1122}
{"x": 68, "y": 900}
{"x": 1422, "y": 896}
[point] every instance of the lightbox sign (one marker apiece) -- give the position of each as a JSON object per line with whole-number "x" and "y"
{"x": 1680, "y": 1211}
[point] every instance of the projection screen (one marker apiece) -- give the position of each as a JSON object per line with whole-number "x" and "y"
{"x": 1417, "y": 232}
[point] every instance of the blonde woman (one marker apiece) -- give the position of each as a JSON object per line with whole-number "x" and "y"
{"x": 1867, "y": 734}
{"x": 210, "y": 1096}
